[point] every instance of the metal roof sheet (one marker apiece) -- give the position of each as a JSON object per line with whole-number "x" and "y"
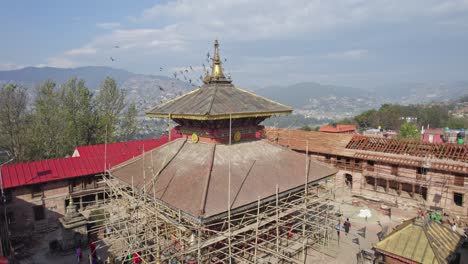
{"x": 88, "y": 160}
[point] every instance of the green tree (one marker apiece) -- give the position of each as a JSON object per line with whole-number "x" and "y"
{"x": 14, "y": 121}
{"x": 109, "y": 105}
{"x": 368, "y": 119}
{"x": 78, "y": 113}
{"x": 457, "y": 122}
{"x": 129, "y": 124}
{"x": 49, "y": 140}
{"x": 409, "y": 131}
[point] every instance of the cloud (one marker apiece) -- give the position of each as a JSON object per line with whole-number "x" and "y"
{"x": 108, "y": 25}
{"x": 173, "y": 33}
{"x": 60, "y": 62}
{"x": 349, "y": 54}
{"x": 81, "y": 51}
{"x": 8, "y": 66}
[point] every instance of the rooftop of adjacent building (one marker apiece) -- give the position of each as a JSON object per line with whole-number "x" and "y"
{"x": 86, "y": 160}
{"x": 338, "y": 129}
{"x": 421, "y": 241}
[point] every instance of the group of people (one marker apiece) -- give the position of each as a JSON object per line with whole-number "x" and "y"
{"x": 93, "y": 253}
{"x": 346, "y": 227}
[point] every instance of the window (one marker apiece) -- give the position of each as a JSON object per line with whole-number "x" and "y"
{"x": 458, "y": 198}
{"x": 327, "y": 157}
{"x": 370, "y": 165}
{"x": 348, "y": 161}
{"x": 395, "y": 170}
{"x": 39, "y": 213}
{"x": 36, "y": 191}
{"x": 421, "y": 171}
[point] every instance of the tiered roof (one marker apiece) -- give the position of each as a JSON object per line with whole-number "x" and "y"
{"x": 218, "y": 99}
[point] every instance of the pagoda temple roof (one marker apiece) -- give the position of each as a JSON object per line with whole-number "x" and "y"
{"x": 218, "y": 101}
{"x": 193, "y": 178}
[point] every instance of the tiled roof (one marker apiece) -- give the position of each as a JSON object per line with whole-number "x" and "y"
{"x": 90, "y": 161}
{"x": 324, "y": 143}
{"x": 338, "y": 128}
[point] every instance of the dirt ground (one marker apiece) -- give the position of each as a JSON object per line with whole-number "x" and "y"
{"x": 351, "y": 207}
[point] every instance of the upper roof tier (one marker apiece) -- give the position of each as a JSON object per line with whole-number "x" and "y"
{"x": 218, "y": 99}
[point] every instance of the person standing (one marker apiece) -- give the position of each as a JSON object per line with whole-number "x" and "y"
{"x": 347, "y": 226}
{"x": 79, "y": 255}
{"x": 338, "y": 230}
{"x": 92, "y": 249}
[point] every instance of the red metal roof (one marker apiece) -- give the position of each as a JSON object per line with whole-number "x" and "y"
{"x": 338, "y": 129}
{"x": 89, "y": 162}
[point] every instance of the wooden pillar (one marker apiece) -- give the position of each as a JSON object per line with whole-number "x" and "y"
{"x": 375, "y": 183}
{"x": 399, "y": 188}
{"x": 97, "y": 198}
{"x": 387, "y": 185}
{"x": 81, "y": 203}
{"x": 412, "y": 191}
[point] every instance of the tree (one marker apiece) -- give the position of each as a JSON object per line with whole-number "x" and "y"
{"x": 306, "y": 128}
{"x": 14, "y": 120}
{"x": 457, "y": 122}
{"x": 129, "y": 125}
{"x": 408, "y": 131}
{"x": 79, "y": 113}
{"x": 109, "y": 105}
{"x": 49, "y": 140}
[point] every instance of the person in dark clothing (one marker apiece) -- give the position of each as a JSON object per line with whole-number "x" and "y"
{"x": 347, "y": 226}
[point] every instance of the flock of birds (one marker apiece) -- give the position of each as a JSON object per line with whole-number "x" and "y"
{"x": 186, "y": 74}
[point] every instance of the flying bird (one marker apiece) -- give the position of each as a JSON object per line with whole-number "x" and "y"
{"x": 191, "y": 68}
{"x": 117, "y": 46}
{"x": 225, "y": 59}
{"x": 160, "y": 68}
{"x": 112, "y": 59}
{"x": 160, "y": 88}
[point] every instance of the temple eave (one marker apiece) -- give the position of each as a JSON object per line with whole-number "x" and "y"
{"x": 217, "y": 117}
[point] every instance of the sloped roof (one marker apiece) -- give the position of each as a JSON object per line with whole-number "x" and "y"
{"x": 218, "y": 101}
{"x": 325, "y": 143}
{"x": 89, "y": 162}
{"x": 420, "y": 242}
{"x": 338, "y": 128}
{"x": 194, "y": 177}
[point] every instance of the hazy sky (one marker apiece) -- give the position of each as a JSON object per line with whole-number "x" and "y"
{"x": 351, "y": 42}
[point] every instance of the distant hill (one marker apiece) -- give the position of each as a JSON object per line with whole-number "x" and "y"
{"x": 145, "y": 90}
{"x": 92, "y": 74}
{"x": 299, "y": 95}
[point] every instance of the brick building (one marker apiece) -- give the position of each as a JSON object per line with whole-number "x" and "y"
{"x": 430, "y": 176}
{"x": 37, "y": 192}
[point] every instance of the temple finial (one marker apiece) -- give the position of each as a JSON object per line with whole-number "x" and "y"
{"x": 217, "y": 71}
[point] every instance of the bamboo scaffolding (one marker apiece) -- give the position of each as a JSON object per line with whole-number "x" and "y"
{"x": 281, "y": 230}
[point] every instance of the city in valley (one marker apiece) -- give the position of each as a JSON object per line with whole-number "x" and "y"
{"x": 234, "y": 132}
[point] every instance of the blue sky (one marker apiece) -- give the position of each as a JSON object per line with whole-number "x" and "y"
{"x": 351, "y": 42}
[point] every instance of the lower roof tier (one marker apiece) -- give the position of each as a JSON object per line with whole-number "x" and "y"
{"x": 194, "y": 177}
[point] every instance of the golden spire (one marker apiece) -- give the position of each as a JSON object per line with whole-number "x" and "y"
{"x": 217, "y": 69}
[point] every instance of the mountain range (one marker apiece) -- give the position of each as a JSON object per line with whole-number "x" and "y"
{"x": 310, "y": 99}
